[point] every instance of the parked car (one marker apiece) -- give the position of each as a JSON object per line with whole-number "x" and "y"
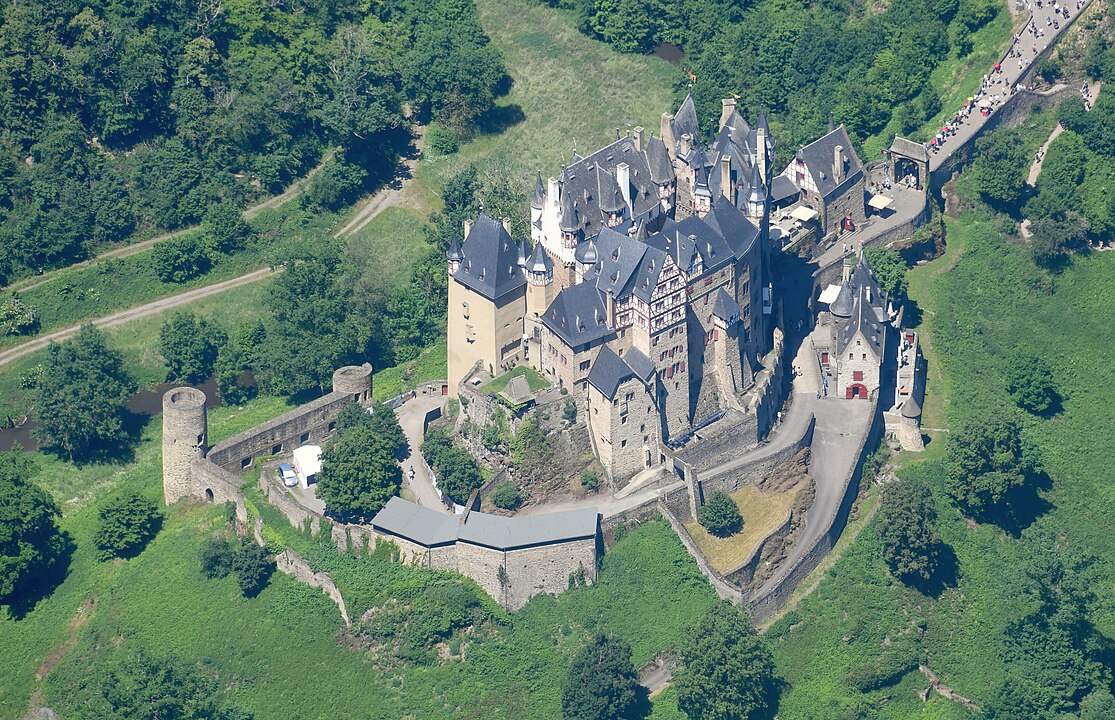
{"x": 286, "y": 474}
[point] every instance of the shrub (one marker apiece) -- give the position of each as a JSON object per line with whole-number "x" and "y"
{"x": 253, "y": 568}
{"x": 507, "y": 496}
{"x": 720, "y": 515}
{"x": 441, "y": 140}
{"x": 569, "y": 411}
{"x": 179, "y": 260}
{"x": 215, "y": 556}
{"x": 125, "y": 524}
{"x": 17, "y": 317}
{"x": 1030, "y": 384}
{"x": 590, "y": 480}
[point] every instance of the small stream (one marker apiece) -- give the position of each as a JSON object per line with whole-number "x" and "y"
{"x": 145, "y": 403}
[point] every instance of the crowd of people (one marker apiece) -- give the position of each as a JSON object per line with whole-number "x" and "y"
{"x": 997, "y": 87}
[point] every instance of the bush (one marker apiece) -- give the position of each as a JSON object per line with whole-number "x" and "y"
{"x": 720, "y": 515}
{"x": 17, "y": 317}
{"x": 125, "y": 524}
{"x": 590, "y": 480}
{"x": 1030, "y": 384}
{"x": 569, "y": 411}
{"x": 441, "y": 140}
{"x": 30, "y": 541}
{"x": 215, "y": 556}
{"x": 507, "y": 496}
{"x": 253, "y": 568}
{"x": 180, "y": 260}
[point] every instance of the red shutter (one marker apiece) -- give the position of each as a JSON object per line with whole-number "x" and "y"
{"x": 857, "y": 375}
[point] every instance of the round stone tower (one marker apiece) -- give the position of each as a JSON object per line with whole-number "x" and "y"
{"x": 355, "y": 381}
{"x": 185, "y": 438}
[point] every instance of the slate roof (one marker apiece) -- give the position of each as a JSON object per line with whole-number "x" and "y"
{"x": 577, "y": 315}
{"x": 685, "y": 121}
{"x": 909, "y": 148}
{"x": 737, "y": 230}
{"x": 658, "y": 161}
{"x": 910, "y": 408}
{"x": 817, "y": 157}
{"x": 642, "y": 366}
{"x": 782, "y": 188}
{"x": 589, "y": 189}
{"x": 539, "y": 261}
{"x": 725, "y": 307}
{"x": 844, "y": 303}
{"x": 739, "y": 141}
{"x": 431, "y": 528}
{"x": 692, "y": 236}
{"x": 490, "y": 260}
{"x": 609, "y": 371}
{"x": 864, "y": 320}
{"x": 517, "y": 391}
{"x": 539, "y": 198}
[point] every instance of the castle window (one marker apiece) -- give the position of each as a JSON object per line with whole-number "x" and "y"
{"x": 332, "y": 426}
{"x": 276, "y": 449}
{"x": 304, "y": 437}
{"x": 851, "y": 355}
{"x": 623, "y": 420}
{"x": 865, "y": 356}
{"x": 623, "y": 443}
{"x": 643, "y": 429}
{"x": 245, "y": 463}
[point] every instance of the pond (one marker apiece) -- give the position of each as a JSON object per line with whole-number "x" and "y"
{"x": 145, "y": 403}
{"x": 670, "y": 53}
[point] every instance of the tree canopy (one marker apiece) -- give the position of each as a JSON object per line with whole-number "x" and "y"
{"x": 986, "y": 461}
{"x": 359, "y": 473}
{"x": 601, "y": 683}
{"x": 727, "y": 671}
{"x": 890, "y": 270}
{"x": 720, "y": 514}
{"x": 125, "y": 524}
{"x": 1000, "y": 167}
{"x": 907, "y": 525}
{"x": 190, "y": 345}
{"x": 1030, "y": 384}
{"x": 30, "y": 541}
{"x": 81, "y": 397}
{"x": 457, "y": 474}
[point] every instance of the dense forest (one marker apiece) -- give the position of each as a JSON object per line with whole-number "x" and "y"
{"x": 125, "y": 118}
{"x": 802, "y": 61}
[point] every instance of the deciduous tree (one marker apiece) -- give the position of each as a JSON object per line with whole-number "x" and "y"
{"x": 985, "y": 462}
{"x": 601, "y": 683}
{"x": 125, "y": 524}
{"x": 1030, "y": 384}
{"x": 81, "y": 397}
{"x": 190, "y": 346}
{"x": 907, "y": 525}
{"x": 358, "y": 474}
{"x": 727, "y": 671}
{"x": 30, "y": 541}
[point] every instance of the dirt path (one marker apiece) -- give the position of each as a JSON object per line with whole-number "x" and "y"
{"x": 141, "y": 311}
{"x": 1035, "y": 167}
{"x": 290, "y": 193}
{"x": 390, "y": 194}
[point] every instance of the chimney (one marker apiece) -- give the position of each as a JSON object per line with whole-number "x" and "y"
{"x": 726, "y": 175}
{"x": 611, "y": 308}
{"x": 638, "y": 139}
{"x": 623, "y": 179}
{"x": 468, "y": 228}
{"x": 838, "y": 164}
{"x": 727, "y": 105}
{"x": 668, "y": 134}
{"x": 686, "y": 144}
{"x": 506, "y": 224}
{"x": 846, "y": 270}
{"x": 761, "y": 152}
{"x": 553, "y": 192}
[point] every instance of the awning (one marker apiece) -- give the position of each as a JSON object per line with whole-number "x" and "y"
{"x": 803, "y": 213}
{"x": 880, "y": 202}
{"x": 828, "y": 295}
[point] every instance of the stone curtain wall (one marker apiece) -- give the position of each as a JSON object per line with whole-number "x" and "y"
{"x": 766, "y": 604}
{"x": 723, "y": 588}
{"x": 312, "y": 420}
{"x": 742, "y": 576}
{"x": 752, "y": 472}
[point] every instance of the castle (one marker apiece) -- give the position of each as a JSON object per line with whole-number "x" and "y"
{"x": 645, "y": 291}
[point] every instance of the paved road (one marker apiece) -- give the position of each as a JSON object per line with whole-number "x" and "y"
{"x": 908, "y": 203}
{"x": 118, "y": 318}
{"x": 410, "y": 416}
{"x": 1030, "y": 48}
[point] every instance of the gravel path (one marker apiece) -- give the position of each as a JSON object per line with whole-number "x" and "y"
{"x": 118, "y": 318}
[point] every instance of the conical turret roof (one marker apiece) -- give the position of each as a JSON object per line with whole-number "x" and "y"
{"x": 758, "y": 193}
{"x": 611, "y": 199}
{"x": 539, "y": 261}
{"x": 539, "y": 193}
{"x": 454, "y": 252}
{"x": 910, "y": 408}
{"x": 844, "y": 303}
{"x": 570, "y": 218}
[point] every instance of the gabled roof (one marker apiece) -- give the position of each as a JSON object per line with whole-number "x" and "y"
{"x": 818, "y": 156}
{"x": 611, "y": 198}
{"x": 589, "y": 183}
{"x": 608, "y": 372}
{"x": 909, "y": 148}
{"x": 578, "y": 316}
{"x": 782, "y": 188}
{"x": 725, "y": 307}
{"x": 685, "y": 121}
{"x": 490, "y": 260}
{"x": 619, "y": 257}
{"x": 431, "y": 528}
{"x": 738, "y": 232}
{"x": 640, "y": 364}
{"x": 865, "y": 321}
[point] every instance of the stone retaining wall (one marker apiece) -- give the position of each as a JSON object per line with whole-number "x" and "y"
{"x": 749, "y": 473}
{"x": 766, "y": 604}
{"x": 741, "y": 577}
{"x": 723, "y": 588}
{"x": 293, "y": 564}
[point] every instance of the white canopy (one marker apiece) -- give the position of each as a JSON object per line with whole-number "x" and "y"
{"x": 880, "y": 202}
{"x": 828, "y": 295}
{"x": 803, "y": 213}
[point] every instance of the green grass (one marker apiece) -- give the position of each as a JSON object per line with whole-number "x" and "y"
{"x": 430, "y": 365}
{"x": 980, "y": 302}
{"x": 534, "y": 381}
{"x": 572, "y": 91}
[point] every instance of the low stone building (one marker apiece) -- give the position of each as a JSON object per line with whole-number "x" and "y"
{"x": 830, "y": 178}
{"x": 511, "y": 558}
